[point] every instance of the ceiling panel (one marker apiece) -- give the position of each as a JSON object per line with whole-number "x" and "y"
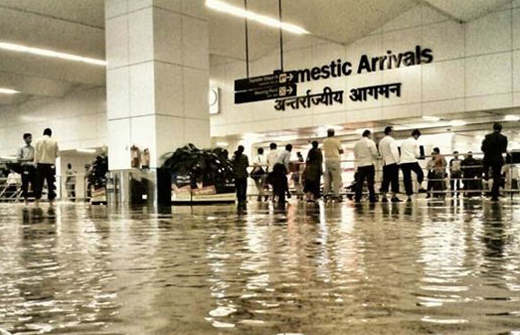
{"x": 467, "y": 10}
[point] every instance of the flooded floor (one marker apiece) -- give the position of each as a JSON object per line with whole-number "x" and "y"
{"x": 420, "y": 268}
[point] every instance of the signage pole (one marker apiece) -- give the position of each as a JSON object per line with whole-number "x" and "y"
{"x": 281, "y": 34}
{"x": 247, "y": 41}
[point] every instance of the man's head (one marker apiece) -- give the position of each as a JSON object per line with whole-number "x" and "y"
{"x": 69, "y": 166}
{"x": 288, "y": 147}
{"x": 416, "y": 134}
{"x": 330, "y": 132}
{"x": 497, "y": 127}
{"x": 436, "y": 151}
{"x": 260, "y": 151}
{"x": 240, "y": 149}
{"x": 469, "y": 154}
{"x": 389, "y": 131}
{"x": 27, "y": 137}
{"x": 315, "y": 144}
{"x": 456, "y": 154}
{"x": 273, "y": 146}
{"x": 47, "y": 132}
{"x": 367, "y": 133}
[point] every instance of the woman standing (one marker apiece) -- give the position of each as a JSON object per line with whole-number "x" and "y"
{"x": 312, "y": 173}
{"x": 240, "y": 164}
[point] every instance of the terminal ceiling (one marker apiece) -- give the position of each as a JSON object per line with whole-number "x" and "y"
{"x": 77, "y": 27}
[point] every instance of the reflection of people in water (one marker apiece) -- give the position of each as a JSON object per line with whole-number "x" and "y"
{"x": 495, "y": 236}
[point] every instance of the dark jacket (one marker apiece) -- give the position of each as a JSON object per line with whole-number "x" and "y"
{"x": 493, "y": 146}
{"x": 240, "y": 164}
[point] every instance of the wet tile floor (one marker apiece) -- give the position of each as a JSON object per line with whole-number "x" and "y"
{"x": 422, "y": 268}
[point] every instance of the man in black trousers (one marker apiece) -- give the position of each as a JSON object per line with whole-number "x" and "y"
{"x": 493, "y": 147}
{"x": 45, "y": 153}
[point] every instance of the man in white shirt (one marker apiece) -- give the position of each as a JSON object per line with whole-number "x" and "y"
{"x": 365, "y": 153}
{"x": 409, "y": 162}
{"x": 272, "y": 157}
{"x": 26, "y": 159}
{"x": 45, "y": 154}
{"x": 332, "y": 152}
{"x": 390, "y": 154}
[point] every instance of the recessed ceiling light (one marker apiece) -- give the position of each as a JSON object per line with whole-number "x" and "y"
{"x": 511, "y": 118}
{"x": 456, "y": 123}
{"x": 266, "y": 20}
{"x": 431, "y": 118}
{"x": 222, "y": 144}
{"x": 87, "y": 151}
{"x": 50, "y": 53}
{"x": 8, "y": 91}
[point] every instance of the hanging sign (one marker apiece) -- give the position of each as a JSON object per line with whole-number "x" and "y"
{"x": 265, "y": 93}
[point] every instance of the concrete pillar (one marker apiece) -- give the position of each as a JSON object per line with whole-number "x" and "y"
{"x": 157, "y": 77}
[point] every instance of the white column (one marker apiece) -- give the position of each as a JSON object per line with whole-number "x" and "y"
{"x": 157, "y": 77}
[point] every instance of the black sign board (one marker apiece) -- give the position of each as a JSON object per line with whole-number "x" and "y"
{"x": 265, "y": 93}
{"x": 271, "y": 80}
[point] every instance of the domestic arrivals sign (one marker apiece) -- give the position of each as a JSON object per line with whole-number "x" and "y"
{"x": 335, "y": 69}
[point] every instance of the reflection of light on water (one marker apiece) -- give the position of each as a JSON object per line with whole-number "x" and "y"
{"x": 222, "y": 311}
{"x": 218, "y": 324}
{"x": 444, "y": 321}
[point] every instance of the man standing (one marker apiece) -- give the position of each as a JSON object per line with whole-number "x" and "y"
{"x": 332, "y": 151}
{"x": 45, "y": 154}
{"x": 472, "y": 173}
{"x": 390, "y": 153}
{"x": 455, "y": 173}
{"x": 410, "y": 155}
{"x": 280, "y": 171}
{"x": 272, "y": 157}
{"x": 365, "y": 153}
{"x": 493, "y": 147}
{"x": 26, "y": 159}
{"x": 70, "y": 182}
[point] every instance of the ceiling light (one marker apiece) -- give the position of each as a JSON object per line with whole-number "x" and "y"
{"x": 222, "y": 144}
{"x": 511, "y": 118}
{"x": 269, "y": 21}
{"x": 8, "y": 91}
{"x": 431, "y": 118}
{"x": 456, "y": 123}
{"x": 87, "y": 151}
{"x": 50, "y": 53}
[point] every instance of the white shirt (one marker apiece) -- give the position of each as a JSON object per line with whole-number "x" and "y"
{"x": 389, "y": 151}
{"x": 365, "y": 152}
{"x": 261, "y": 161}
{"x": 272, "y": 157}
{"x": 284, "y": 158}
{"x": 410, "y": 151}
{"x": 46, "y": 150}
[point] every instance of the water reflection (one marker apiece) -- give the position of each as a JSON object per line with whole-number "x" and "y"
{"x": 414, "y": 268}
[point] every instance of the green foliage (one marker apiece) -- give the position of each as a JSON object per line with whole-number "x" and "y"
{"x": 209, "y": 166}
{"x": 97, "y": 174}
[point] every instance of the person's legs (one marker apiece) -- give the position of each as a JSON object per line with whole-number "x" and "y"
{"x": 327, "y": 179}
{"x": 259, "y": 188}
{"x": 497, "y": 176}
{"x": 387, "y": 178}
{"x": 336, "y": 178}
{"x": 371, "y": 174}
{"x": 394, "y": 177}
{"x": 419, "y": 172}
{"x": 26, "y": 179}
{"x": 407, "y": 178}
{"x": 50, "y": 180}
{"x": 361, "y": 175}
{"x": 38, "y": 185}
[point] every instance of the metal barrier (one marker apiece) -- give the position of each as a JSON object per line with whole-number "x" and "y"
{"x": 349, "y": 172}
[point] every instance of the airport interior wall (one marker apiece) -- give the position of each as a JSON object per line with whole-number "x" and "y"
{"x": 474, "y": 68}
{"x": 78, "y": 120}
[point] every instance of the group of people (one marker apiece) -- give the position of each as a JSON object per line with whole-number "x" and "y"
{"x": 270, "y": 171}
{"x": 494, "y": 146}
{"x": 37, "y": 166}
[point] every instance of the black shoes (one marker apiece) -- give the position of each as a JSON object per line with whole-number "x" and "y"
{"x": 396, "y": 199}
